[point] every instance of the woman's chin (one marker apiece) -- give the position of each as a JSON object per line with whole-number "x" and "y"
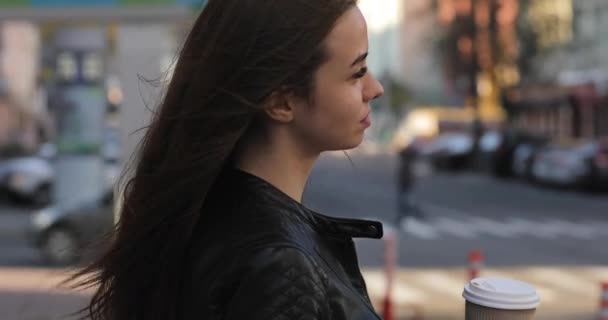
{"x": 350, "y": 145}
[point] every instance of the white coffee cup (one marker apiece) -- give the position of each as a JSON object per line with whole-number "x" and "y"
{"x": 500, "y": 299}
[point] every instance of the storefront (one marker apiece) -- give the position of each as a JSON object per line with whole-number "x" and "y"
{"x": 558, "y": 112}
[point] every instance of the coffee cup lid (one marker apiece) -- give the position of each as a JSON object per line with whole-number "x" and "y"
{"x": 501, "y": 293}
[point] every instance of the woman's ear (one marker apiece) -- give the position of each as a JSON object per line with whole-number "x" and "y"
{"x": 279, "y": 107}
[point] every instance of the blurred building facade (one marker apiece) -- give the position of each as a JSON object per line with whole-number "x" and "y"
{"x": 571, "y": 38}
{"x": 545, "y": 61}
{"x": 478, "y": 48}
{"x": 20, "y": 102}
{"x": 85, "y": 76}
{"x": 28, "y": 61}
{"x": 421, "y": 67}
{"x": 563, "y": 94}
{"x": 385, "y": 60}
{"x": 384, "y": 19}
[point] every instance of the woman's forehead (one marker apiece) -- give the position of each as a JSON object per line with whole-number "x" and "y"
{"x": 348, "y": 39}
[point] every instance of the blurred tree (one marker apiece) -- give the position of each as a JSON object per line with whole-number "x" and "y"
{"x": 480, "y": 37}
{"x": 528, "y": 40}
{"x": 456, "y": 45}
{"x": 399, "y": 95}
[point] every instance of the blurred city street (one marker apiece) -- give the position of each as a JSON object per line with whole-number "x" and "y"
{"x": 512, "y": 222}
{"x": 551, "y": 238}
{"x": 554, "y": 239}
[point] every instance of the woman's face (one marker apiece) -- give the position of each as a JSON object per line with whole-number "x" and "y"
{"x": 338, "y": 114}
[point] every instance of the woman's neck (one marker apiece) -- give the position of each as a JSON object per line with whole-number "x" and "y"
{"x": 280, "y": 163}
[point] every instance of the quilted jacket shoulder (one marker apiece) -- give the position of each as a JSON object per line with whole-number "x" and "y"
{"x": 281, "y": 283}
{"x": 258, "y": 254}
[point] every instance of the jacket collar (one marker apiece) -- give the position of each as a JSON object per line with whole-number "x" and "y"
{"x": 354, "y": 228}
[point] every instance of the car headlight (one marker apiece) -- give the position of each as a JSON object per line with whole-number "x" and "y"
{"x": 44, "y": 218}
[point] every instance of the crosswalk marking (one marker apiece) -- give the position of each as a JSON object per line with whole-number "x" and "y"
{"x": 458, "y": 225}
{"x": 441, "y": 221}
{"x": 600, "y": 227}
{"x": 580, "y": 231}
{"x": 474, "y": 227}
{"x": 538, "y": 230}
{"x": 454, "y": 227}
{"x": 492, "y": 227}
{"x": 419, "y": 228}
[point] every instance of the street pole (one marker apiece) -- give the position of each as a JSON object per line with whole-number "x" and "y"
{"x": 482, "y": 68}
{"x": 473, "y": 93}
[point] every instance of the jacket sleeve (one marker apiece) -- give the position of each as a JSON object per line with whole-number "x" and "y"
{"x": 279, "y": 283}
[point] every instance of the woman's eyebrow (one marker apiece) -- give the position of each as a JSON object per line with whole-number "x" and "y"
{"x": 359, "y": 59}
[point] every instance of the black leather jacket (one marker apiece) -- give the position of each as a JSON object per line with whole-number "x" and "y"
{"x": 258, "y": 254}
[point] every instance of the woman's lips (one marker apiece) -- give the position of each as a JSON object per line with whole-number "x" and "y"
{"x": 366, "y": 122}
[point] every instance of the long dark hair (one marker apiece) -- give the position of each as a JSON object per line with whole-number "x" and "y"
{"x": 237, "y": 54}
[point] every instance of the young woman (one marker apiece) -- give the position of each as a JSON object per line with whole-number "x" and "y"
{"x": 212, "y": 225}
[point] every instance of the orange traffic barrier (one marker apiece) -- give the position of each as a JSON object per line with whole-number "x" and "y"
{"x": 604, "y": 302}
{"x": 475, "y": 263}
{"x": 390, "y": 262}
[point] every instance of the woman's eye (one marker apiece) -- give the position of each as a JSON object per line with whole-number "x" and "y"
{"x": 361, "y": 73}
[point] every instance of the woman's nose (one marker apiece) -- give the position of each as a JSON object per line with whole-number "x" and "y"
{"x": 375, "y": 89}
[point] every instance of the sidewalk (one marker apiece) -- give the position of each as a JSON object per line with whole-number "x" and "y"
{"x": 431, "y": 294}
{"x": 32, "y": 293}
{"x": 566, "y": 293}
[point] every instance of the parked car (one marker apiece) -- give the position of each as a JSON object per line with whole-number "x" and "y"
{"x": 65, "y": 235}
{"x": 522, "y": 160}
{"x": 580, "y": 165}
{"x": 524, "y": 155}
{"x": 451, "y": 150}
{"x": 598, "y": 163}
{"x": 498, "y": 149}
{"x": 27, "y": 178}
{"x": 30, "y": 178}
{"x": 47, "y": 151}
{"x": 489, "y": 144}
